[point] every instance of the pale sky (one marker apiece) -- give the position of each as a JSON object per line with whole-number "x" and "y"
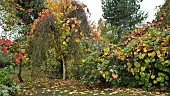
{"x": 96, "y": 10}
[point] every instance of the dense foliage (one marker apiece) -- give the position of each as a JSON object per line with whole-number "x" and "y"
{"x": 63, "y": 44}
{"x": 7, "y": 86}
{"x": 148, "y": 58}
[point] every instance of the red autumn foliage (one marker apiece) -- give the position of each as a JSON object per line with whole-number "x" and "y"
{"x": 2, "y": 41}
{"x": 20, "y": 54}
{"x": 4, "y": 50}
{"x": 7, "y": 42}
{"x": 17, "y": 61}
{"x": 16, "y": 56}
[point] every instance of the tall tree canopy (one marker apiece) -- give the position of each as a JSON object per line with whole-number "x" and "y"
{"x": 124, "y": 13}
{"x": 7, "y": 17}
{"x": 30, "y": 11}
{"x": 17, "y": 15}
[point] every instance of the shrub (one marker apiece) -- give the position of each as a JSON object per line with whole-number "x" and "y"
{"x": 4, "y": 60}
{"x": 113, "y": 69}
{"x": 8, "y": 91}
{"x": 149, "y": 58}
{"x": 102, "y": 66}
{"x": 7, "y": 87}
{"x": 88, "y": 71}
{"x": 90, "y": 74}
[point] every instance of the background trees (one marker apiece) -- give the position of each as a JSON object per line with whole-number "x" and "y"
{"x": 122, "y": 14}
{"x": 111, "y": 33}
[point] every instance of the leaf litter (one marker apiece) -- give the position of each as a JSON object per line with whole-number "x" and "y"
{"x": 58, "y": 87}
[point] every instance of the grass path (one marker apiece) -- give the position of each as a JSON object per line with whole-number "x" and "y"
{"x": 57, "y": 87}
{"x": 44, "y": 86}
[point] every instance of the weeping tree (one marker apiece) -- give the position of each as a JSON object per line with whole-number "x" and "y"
{"x": 83, "y": 31}
{"x": 39, "y": 43}
{"x": 60, "y": 27}
{"x": 79, "y": 28}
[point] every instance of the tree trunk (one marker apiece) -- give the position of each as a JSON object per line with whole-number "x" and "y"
{"x": 20, "y": 70}
{"x": 64, "y": 68}
{"x": 61, "y": 67}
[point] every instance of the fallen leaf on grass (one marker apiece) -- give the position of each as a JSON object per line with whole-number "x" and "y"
{"x": 43, "y": 91}
{"x": 57, "y": 90}
{"x": 66, "y": 90}
{"x": 52, "y": 87}
{"x": 88, "y": 91}
{"x": 157, "y": 93}
{"x": 24, "y": 90}
{"x": 95, "y": 94}
{"x": 61, "y": 92}
{"x": 73, "y": 92}
{"x": 115, "y": 92}
{"x": 120, "y": 90}
{"x": 82, "y": 93}
{"x": 48, "y": 90}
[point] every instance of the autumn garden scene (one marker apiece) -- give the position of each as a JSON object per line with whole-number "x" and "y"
{"x": 51, "y": 48}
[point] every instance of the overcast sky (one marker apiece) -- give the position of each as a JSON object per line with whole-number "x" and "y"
{"x": 147, "y": 6}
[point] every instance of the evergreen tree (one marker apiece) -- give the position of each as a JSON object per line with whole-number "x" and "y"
{"x": 124, "y": 13}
